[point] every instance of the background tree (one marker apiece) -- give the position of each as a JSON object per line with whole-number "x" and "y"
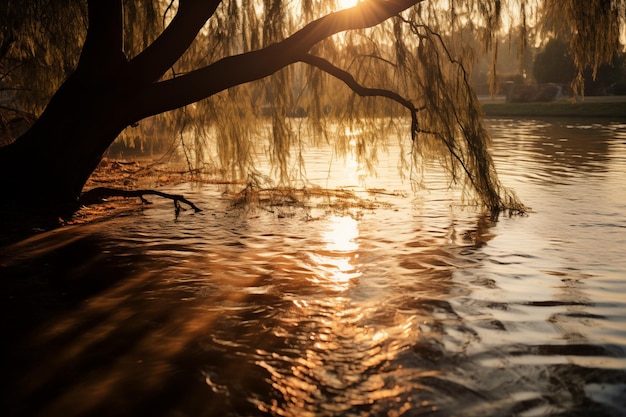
{"x": 555, "y": 64}
{"x": 227, "y": 63}
{"x": 514, "y": 61}
{"x": 592, "y": 29}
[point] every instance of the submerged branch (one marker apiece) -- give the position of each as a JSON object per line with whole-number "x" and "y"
{"x": 96, "y": 195}
{"x": 363, "y": 91}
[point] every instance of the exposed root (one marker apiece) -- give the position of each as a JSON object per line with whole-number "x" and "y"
{"x": 99, "y": 194}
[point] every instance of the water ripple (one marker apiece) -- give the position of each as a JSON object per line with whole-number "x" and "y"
{"x": 419, "y": 308}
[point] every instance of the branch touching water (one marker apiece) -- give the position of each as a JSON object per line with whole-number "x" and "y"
{"x": 98, "y": 194}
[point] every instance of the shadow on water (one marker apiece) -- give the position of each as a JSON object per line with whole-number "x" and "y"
{"x": 82, "y": 338}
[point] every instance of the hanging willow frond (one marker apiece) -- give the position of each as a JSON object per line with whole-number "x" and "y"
{"x": 592, "y": 27}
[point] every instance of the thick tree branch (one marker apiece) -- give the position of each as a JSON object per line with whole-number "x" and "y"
{"x": 103, "y": 49}
{"x": 349, "y": 80}
{"x": 366, "y": 14}
{"x": 156, "y": 59}
{"x": 243, "y": 68}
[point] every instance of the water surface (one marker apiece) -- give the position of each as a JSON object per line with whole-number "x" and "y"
{"x": 412, "y": 305}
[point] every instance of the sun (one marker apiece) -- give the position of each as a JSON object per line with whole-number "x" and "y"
{"x": 345, "y": 4}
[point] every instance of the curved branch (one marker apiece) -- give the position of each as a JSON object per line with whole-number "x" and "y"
{"x": 239, "y": 69}
{"x": 364, "y": 15}
{"x": 103, "y": 49}
{"x": 157, "y": 58}
{"x": 349, "y": 80}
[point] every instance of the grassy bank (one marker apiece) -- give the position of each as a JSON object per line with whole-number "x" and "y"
{"x": 611, "y": 109}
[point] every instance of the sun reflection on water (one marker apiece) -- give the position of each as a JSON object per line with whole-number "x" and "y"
{"x": 342, "y": 234}
{"x": 346, "y": 345}
{"x": 322, "y": 381}
{"x": 336, "y": 264}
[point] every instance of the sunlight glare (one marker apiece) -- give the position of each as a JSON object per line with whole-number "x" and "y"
{"x": 342, "y": 234}
{"x": 346, "y": 4}
{"x": 336, "y": 264}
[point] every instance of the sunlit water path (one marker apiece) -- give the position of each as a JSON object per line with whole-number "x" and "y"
{"x": 416, "y": 307}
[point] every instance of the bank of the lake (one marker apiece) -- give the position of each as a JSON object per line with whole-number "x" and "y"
{"x": 613, "y": 107}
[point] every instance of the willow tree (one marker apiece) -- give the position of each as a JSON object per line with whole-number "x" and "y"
{"x": 113, "y": 63}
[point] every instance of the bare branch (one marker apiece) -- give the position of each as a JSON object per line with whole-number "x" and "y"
{"x": 156, "y": 59}
{"x": 349, "y": 80}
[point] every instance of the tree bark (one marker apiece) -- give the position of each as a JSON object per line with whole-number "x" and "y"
{"x": 46, "y": 168}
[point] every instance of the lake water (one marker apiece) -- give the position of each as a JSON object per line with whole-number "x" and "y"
{"x": 411, "y": 305}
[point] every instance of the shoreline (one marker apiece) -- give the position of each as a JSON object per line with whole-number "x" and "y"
{"x": 613, "y": 107}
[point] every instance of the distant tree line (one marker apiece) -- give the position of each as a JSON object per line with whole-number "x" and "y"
{"x": 552, "y": 62}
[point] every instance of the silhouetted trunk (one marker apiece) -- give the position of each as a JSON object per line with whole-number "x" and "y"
{"x": 47, "y": 167}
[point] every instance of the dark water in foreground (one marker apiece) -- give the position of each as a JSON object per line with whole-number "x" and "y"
{"x": 416, "y": 308}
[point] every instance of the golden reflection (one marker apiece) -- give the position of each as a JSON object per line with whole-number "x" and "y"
{"x": 336, "y": 264}
{"x": 342, "y": 234}
{"x": 322, "y": 381}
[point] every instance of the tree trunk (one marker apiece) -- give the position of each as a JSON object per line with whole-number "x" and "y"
{"x": 46, "y": 168}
